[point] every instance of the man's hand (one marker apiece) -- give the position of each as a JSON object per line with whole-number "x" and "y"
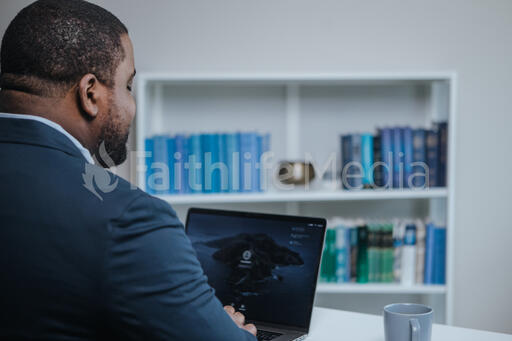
{"x": 239, "y": 319}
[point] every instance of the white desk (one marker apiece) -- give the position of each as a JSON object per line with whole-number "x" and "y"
{"x": 337, "y": 325}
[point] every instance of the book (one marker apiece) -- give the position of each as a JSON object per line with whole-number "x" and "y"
{"x": 233, "y": 162}
{"x": 249, "y": 175}
{"x": 354, "y": 251}
{"x": 432, "y": 157}
{"x": 328, "y": 266}
{"x": 160, "y": 182}
{"x": 419, "y": 168}
{"x": 342, "y": 254}
{"x": 346, "y": 158}
{"x": 408, "y": 271}
{"x": 265, "y": 179}
{"x": 180, "y": 178}
{"x": 428, "y": 277}
{"x": 367, "y": 160}
{"x": 149, "y": 149}
{"x": 398, "y": 156}
{"x": 443, "y": 152}
{"x": 420, "y": 250}
{"x": 362, "y": 254}
{"x": 439, "y": 256}
{"x": 408, "y": 157}
{"x": 387, "y": 157}
{"x": 194, "y": 164}
{"x": 374, "y": 271}
{"x": 223, "y": 163}
{"x": 377, "y": 159}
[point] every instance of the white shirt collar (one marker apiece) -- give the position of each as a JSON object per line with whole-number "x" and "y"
{"x": 55, "y": 126}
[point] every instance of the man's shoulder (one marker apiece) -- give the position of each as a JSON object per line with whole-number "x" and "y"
{"x": 126, "y": 204}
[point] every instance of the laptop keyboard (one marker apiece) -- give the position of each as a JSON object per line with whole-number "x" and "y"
{"x": 263, "y": 335}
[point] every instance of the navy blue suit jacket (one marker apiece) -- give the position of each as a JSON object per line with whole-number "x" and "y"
{"x": 93, "y": 263}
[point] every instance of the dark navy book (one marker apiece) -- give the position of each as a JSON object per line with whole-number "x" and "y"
{"x": 386, "y": 144}
{"x": 377, "y": 158}
{"x": 432, "y": 158}
{"x": 443, "y": 152}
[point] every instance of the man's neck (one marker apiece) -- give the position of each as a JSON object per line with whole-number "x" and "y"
{"x": 54, "y": 109}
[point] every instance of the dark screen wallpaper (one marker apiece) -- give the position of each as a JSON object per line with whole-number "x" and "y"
{"x": 264, "y": 268}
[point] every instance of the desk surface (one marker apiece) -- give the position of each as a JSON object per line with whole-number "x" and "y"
{"x": 329, "y": 324}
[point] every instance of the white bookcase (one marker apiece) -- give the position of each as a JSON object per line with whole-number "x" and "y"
{"x": 306, "y": 113}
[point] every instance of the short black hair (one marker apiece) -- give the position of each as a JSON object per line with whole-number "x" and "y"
{"x": 51, "y": 44}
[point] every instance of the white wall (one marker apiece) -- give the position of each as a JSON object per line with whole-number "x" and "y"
{"x": 470, "y": 37}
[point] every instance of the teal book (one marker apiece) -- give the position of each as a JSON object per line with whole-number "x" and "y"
{"x": 439, "y": 256}
{"x": 362, "y": 254}
{"x": 328, "y": 266}
{"x": 367, "y": 160}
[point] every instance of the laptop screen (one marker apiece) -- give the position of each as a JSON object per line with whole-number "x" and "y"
{"x": 266, "y": 266}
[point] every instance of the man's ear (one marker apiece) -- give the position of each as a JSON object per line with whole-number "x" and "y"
{"x": 91, "y": 93}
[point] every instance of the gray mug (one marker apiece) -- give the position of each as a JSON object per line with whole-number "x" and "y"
{"x": 407, "y": 322}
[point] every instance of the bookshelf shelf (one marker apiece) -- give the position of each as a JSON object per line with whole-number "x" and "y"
{"x": 305, "y": 114}
{"x": 304, "y": 196}
{"x": 392, "y": 288}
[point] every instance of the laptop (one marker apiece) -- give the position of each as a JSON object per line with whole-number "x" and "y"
{"x": 264, "y": 265}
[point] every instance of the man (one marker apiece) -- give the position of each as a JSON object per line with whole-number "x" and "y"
{"x": 75, "y": 265}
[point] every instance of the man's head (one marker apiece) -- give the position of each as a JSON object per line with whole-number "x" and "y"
{"x": 71, "y": 61}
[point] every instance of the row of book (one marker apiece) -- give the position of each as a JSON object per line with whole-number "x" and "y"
{"x": 205, "y": 163}
{"x": 402, "y": 251}
{"x": 398, "y": 157}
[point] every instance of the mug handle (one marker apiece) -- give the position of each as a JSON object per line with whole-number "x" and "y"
{"x": 415, "y": 329}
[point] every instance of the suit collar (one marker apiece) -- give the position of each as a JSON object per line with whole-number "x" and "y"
{"x": 32, "y": 132}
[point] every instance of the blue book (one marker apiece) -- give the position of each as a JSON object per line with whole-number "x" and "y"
{"x": 248, "y": 160}
{"x": 195, "y": 164}
{"x": 148, "y": 147}
{"x": 398, "y": 156}
{"x": 428, "y": 276}
{"x": 342, "y": 254}
{"x": 224, "y": 165}
{"x": 442, "y": 146}
{"x": 408, "y": 156}
{"x": 171, "y": 152}
{"x": 210, "y": 149}
{"x": 367, "y": 159}
{"x": 160, "y": 167}
{"x": 233, "y": 162}
{"x": 180, "y": 174}
{"x": 386, "y": 147}
{"x": 432, "y": 158}
{"x": 440, "y": 256}
{"x": 419, "y": 158}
